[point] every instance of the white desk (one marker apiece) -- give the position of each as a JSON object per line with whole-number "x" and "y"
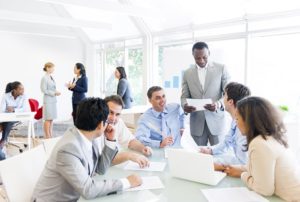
{"x": 176, "y": 190}
{"x": 132, "y": 115}
{"x": 21, "y": 116}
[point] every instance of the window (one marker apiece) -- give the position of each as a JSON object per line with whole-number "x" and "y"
{"x": 132, "y": 60}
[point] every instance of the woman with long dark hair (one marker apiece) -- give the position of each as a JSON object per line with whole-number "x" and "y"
{"x": 79, "y": 86}
{"x": 271, "y": 168}
{"x": 124, "y": 89}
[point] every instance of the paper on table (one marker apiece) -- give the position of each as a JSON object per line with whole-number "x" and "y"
{"x": 187, "y": 142}
{"x": 151, "y": 182}
{"x": 199, "y": 103}
{"x": 234, "y": 194}
{"x": 154, "y": 166}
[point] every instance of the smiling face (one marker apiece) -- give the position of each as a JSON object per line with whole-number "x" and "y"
{"x": 158, "y": 100}
{"x": 241, "y": 124}
{"x": 114, "y": 112}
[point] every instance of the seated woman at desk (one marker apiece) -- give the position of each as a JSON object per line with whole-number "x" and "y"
{"x": 271, "y": 167}
{"x": 13, "y": 100}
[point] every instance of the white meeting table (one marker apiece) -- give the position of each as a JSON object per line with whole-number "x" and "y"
{"x": 176, "y": 190}
{"x": 21, "y": 116}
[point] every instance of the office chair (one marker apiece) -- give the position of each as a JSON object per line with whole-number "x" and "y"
{"x": 34, "y": 106}
{"x": 20, "y": 173}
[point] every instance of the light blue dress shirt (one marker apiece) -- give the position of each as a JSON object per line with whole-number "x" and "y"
{"x": 235, "y": 142}
{"x": 154, "y": 126}
{"x": 20, "y": 104}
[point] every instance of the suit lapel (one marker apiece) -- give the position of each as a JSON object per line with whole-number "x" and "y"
{"x": 84, "y": 151}
{"x": 95, "y": 155}
{"x": 196, "y": 79}
{"x": 208, "y": 76}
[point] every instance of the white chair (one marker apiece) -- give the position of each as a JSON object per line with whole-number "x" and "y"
{"x": 20, "y": 173}
{"x": 49, "y": 144}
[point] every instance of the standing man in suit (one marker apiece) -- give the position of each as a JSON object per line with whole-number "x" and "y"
{"x": 206, "y": 79}
{"x": 75, "y": 159}
{"x": 79, "y": 86}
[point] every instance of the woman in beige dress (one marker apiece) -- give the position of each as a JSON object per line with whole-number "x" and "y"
{"x": 48, "y": 88}
{"x": 272, "y": 168}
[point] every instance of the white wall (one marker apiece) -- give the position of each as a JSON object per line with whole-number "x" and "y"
{"x": 23, "y": 56}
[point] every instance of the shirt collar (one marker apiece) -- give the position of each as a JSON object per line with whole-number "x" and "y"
{"x": 88, "y": 144}
{"x": 12, "y": 97}
{"x": 204, "y": 68}
{"x": 156, "y": 113}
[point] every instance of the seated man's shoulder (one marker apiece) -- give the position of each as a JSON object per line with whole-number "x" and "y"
{"x": 173, "y": 107}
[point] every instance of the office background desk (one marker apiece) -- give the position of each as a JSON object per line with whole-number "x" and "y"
{"x": 21, "y": 116}
{"x": 176, "y": 190}
{"x": 132, "y": 115}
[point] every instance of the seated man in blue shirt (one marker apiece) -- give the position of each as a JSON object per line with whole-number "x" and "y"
{"x": 163, "y": 124}
{"x": 13, "y": 100}
{"x": 234, "y": 140}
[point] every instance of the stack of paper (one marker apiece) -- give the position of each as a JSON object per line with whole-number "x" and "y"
{"x": 234, "y": 194}
{"x": 151, "y": 182}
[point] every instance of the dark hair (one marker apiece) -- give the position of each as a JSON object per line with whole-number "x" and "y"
{"x": 236, "y": 91}
{"x": 117, "y": 99}
{"x": 12, "y": 86}
{"x": 81, "y": 68}
{"x": 90, "y": 112}
{"x": 199, "y": 45}
{"x": 261, "y": 118}
{"x": 153, "y": 89}
{"x": 122, "y": 72}
{"x": 48, "y": 65}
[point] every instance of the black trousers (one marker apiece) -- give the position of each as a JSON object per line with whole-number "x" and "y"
{"x": 6, "y": 126}
{"x": 74, "y": 112}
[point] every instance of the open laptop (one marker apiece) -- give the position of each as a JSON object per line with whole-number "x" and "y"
{"x": 193, "y": 166}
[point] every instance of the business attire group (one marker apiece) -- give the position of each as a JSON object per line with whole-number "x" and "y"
{"x": 262, "y": 160}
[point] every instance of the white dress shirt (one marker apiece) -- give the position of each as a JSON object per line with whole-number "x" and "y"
{"x": 202, "y": 74}
{"x": 20, "y": 104}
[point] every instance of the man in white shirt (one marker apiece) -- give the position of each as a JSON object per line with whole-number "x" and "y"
{"x": 13, "y": 100}
{"x": 124, "y": 137}
{"x": 205, "y": 80}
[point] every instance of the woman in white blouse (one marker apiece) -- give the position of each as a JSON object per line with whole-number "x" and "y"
{"x": 271, "y": 168}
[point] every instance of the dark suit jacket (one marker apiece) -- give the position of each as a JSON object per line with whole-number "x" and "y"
{"x": 79, "y": 90}
{"x": 124, "y": 90}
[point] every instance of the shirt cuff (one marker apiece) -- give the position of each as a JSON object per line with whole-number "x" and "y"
{"x": 244, "y": 177}
{"x": 155, "y": 143}
{"x": 125, "y": 183}
{"x": 111, "y": 144}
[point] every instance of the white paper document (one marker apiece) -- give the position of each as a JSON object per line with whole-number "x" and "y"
{"x": 234, "y": 194}
{"x": 187, "y": 142}
{"x": 154, "y": 166}
{"x": 199, "y": 103}
{"x": 151, "y": 182}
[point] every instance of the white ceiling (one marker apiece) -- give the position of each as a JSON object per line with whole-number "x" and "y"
{"x": 99, "y": 20}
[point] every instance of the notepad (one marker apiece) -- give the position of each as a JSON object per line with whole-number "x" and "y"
{"x": 154, "y": 166}
{"x": 234, "y": 194}
{"x": 151, "y": 182}
{"x": 199, "y": 103}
